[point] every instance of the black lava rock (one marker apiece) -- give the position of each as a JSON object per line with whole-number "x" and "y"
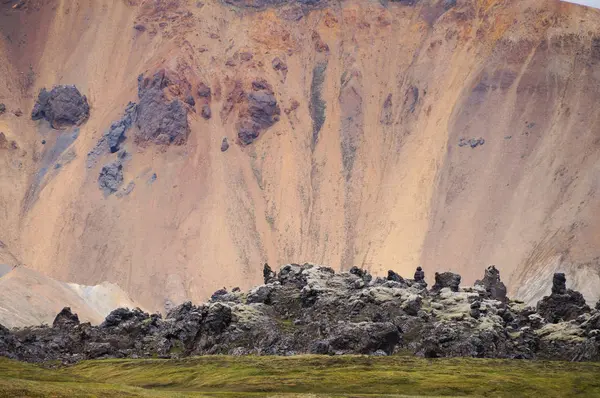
{"x": 61, "y": 106}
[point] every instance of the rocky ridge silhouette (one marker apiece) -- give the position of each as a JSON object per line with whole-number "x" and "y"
{"x": 310, "y": 309}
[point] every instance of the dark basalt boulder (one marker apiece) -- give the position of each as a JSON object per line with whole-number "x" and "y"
{"x": 206, "y": 112}
{"x": 62, "y": 106}
{"x": 361, "y": 273}
{"x": 224, "y": 145}
{"x": 159, "y": 120}
{"x": 189, "y": 99}
{"x": 446, "y": 279}
{"x": 261, "y": 294}
{"x": 122, "y": 315}
{"x": 65, "y": 318}
{"x": 218, "y": 294}
{"x": 563, "y": 304}
{"x": 493, "y": 285}
{"x": 262, "y": 113}
{"x": 279, "y": 65}
{"x": 111, "y": 177}
{"x": 204, "y": 91}
{"x": 392, "y": 276}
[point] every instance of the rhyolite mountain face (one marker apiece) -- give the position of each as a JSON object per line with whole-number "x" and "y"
{"x": 169, "y": 147}
{"x": 310, "y": 309}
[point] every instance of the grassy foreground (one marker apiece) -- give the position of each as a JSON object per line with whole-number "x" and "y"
{"x": 305, "y": 376}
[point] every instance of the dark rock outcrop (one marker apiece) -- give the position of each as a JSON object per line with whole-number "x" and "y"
{"x": 204, "y": 91}
{"x": 158, "y": 119}
{"x": 2, "y": 109}
{"x": 62, "y": 106}
{"x": 392, "y": 276}
{"x": 206, "y": 112}
{"x": 224, "y": 145}
{"x": 563, "y": 304}
{"x": 446, "y": 279}
{"x": 420, "y": 276}
{"x": 493, "y": 285}
{"x": 116, "y": 134}
{"x": 311, "y": 309}
{"x": 262, "y": 112}
{"x": 472, "y": 142}
{"x": 268, "y": 274}
{"x": 65, "y": 318}
{"x": 279, "y": 65}
{"x": 113, "y": 138}
{"x": 111, "y": 177}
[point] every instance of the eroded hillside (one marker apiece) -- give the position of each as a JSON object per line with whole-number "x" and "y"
{"x": 359, "y": 133}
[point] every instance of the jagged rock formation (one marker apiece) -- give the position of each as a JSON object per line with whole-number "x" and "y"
{"x": 65, "y": 318}
{"x": 261, "y": 113}
{"x": 311, "y": 309}
{"x": 112, "y": 139}
{"x": 563, "y": 304}
{"x": 492, "y": 284}
{"x": 61, "y": 106}
{"x": 446, "y": 279}
{"x": 420, "y": 276}
{"x": 159, "y": 120}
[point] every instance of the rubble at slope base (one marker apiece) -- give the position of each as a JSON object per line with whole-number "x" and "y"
{"x": 311, "y": 309}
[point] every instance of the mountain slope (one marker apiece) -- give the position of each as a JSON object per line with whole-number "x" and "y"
{"x": 29, "y": 298}
{"x": 362, "y": 168}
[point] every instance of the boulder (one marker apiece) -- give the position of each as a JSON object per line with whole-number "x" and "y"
{"x": 206, "y": 112}
{"x": 224, "y": 145}
{"x": 361, "y": 273}
{"x": 492, "y": 284}
{"x": 204, "y": 91}
{"x": 562, "y": 304}
{"x": 62, "y": 106}
{"x": 262, "y": 112}
{"x": 280, "y": 66}
{"x": 218, "y": 294}
{"x": 65, "y": 319}
{"x": 121, "y": 315}
{"x": 159, "y": 120}
{"x": 392, "y": 276}
{"x": 260, "y": 295}
{"x": 446, "y": 279}
{"x": 189, "y": 99}
{"x": 111, "y": 177}
{"x": 412, "y": 305}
